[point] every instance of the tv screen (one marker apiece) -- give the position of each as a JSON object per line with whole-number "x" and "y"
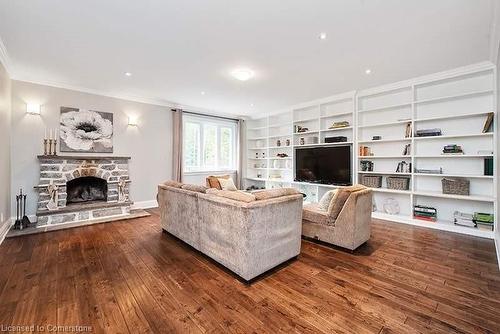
{"x": 327, "y": 165}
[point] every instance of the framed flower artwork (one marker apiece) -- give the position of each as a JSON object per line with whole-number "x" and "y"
{"x": 86, "y": 131}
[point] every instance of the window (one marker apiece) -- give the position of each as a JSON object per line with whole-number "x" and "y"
{"x": 209, "y": 144}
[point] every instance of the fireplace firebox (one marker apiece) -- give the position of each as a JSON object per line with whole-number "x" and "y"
{"x": 86, "y": 189}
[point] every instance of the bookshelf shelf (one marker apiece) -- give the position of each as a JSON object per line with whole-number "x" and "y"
{"x": 488, "y": 134}
{"x": 455, "y": 175}
{"x": 385, "y": 173}
{"x": 456, "y": 96}
{"x": 377, "y": 125}
{"x": 384, "y": 140}
{"x": 461, "y": 197}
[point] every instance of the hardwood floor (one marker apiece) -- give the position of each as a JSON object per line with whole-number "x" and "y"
{"x": 128, "y": 277}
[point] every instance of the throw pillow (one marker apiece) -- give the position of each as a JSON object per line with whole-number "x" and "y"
{"x": 227, "y": 184}
{"x": 325, "y": 201}
{"x": 213, "y": 181}
{"x": 340, "y": 198}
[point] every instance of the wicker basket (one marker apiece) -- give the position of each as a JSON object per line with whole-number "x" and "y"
{"x": 398, "y": 183}
{"x": 456, "y": 186}
{"x": 372, "y": 181}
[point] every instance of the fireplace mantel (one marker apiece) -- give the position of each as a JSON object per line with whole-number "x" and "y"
{"x": 79, "y": 157}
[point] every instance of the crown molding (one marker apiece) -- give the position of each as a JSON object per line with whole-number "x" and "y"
{"x": 122, "y": 96}
{"x": 4, "y": 58}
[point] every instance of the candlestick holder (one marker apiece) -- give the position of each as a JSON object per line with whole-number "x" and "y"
{"x": 45, "y": 146}
{"x": 55, "y": 147}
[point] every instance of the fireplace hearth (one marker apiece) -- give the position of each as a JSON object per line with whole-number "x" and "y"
{"x": 86, "y": 189}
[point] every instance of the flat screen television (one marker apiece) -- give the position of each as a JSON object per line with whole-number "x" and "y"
{"x": 325, "y": 165}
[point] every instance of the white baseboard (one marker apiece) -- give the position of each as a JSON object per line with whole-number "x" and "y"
{"x": 4, "y": 228}
{"x": 145, "y": 204}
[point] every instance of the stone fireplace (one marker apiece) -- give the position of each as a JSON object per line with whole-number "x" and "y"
{"x": 82, "y": 189}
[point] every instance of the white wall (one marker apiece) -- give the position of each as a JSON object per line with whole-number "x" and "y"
{"x": 149, "y": 144}
{"x": 5, "y": 125}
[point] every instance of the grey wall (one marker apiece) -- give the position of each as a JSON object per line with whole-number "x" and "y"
{"x": 5, "y": 124}
{"x": 149, "y": 144}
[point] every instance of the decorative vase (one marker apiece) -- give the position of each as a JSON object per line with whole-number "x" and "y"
{"x": 288, "y": 142}
{"x": 302, "y": 141}
{"x": 288, "y": 164}
{"x": 276, "y": 164}
{"x": 278, "y": 143}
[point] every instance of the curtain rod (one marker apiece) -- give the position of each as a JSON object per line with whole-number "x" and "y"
{"x": 205, "y": 115}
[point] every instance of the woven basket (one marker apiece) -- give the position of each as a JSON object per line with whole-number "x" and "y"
{"x": 372, "y": 181}
{"x": 455, "y": 186}
{"x": 398, "y": 183}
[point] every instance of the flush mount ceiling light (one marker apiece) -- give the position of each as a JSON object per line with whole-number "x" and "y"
{"x": 243, "y": 74}
{"x": 128, "y": 74}
{"x": 202, "y": 93}
{"x": 251, "y": 105}
{"x": 322, "y": 35}
{"x": 368, "y": 71}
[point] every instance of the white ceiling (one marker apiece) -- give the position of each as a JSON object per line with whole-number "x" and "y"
{"x": 176, "y": 49}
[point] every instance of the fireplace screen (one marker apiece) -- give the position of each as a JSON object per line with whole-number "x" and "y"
{"x": 86, "y": 189}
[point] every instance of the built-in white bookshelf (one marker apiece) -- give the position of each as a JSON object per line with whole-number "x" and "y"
{"x": 318, "y": 117}
{"x": 458, "y": 102}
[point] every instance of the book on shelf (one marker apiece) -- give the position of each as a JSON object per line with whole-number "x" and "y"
{"x": 484, "y": 227}
{"x": 488, "y": 124}
{"x": 426, "y": 218}
{"x": 463, "y": 219}
{"x": 428, "y": 132}
{"x": 427, "y": 209}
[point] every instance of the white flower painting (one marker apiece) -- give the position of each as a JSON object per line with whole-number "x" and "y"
{"x": 86, "y": 131}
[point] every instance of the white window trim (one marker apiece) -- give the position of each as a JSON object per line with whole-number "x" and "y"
{"x": 220, "y": 123}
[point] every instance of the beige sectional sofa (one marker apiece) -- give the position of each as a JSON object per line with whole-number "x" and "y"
{"x": 248, "y": 236}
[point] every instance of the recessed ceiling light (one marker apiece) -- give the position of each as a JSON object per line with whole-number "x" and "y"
{"x": 251, "y": 105}
{"x": 128, "y": 74}
{"x": 368, "y": 71}
{"x": 243, "y": 74}
{"x": 202, "y": 93}
{"x": 322, "y": 35}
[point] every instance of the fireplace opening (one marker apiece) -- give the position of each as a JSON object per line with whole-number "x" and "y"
{"x": 86, "y": 189}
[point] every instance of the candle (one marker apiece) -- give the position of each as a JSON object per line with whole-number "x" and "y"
{"x": 50, "y": 132}
{"x": 45, "y": 134}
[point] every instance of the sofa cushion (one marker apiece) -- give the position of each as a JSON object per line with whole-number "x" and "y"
{"x": 340, "y": 198}
{"x": 213, "y": 181}
{"x": 194, "y": 187}
{"x": 273, "y": 193}
{"x": 172, "y": 183}
{"x": 325, "y": 201}
{"x": 227, "y": 184}
{"x": 312, "y": 212}
{"x": 240, "y": 196}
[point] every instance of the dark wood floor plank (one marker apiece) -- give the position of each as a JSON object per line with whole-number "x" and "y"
{"x": 128, "y": 277}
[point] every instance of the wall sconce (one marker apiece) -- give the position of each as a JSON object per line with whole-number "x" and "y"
{"x": 33, "y": 109}
{"x": 132, "y": 121}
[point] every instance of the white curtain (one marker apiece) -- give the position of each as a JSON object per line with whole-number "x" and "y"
{"x": 177, "y": 145}
{"x": 240, "y": 128}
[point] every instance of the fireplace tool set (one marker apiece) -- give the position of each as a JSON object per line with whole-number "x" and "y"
{"x": 22, "y": 220}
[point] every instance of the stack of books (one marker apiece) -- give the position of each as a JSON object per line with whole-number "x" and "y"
{"x": 463, "y": 219}
{"x": 428, "y": 133}
{"x": 453, "y": 149}
{"x": 484, "y": 221}
{"x": 425, "y": 213}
